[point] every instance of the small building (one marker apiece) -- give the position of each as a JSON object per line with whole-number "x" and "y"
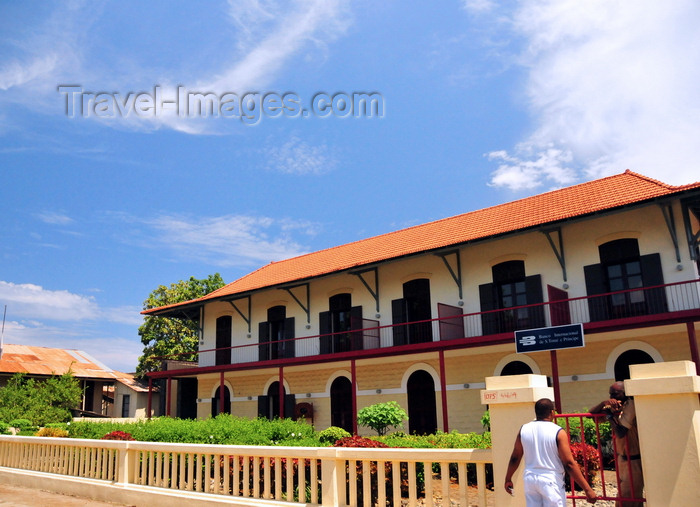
{"x": 97, "y": 380}
{"x": 422, "y": 315}
{"x": 131, "y": 398}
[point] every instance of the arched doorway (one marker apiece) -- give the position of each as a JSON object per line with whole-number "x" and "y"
{"x": 341, "y": 404}
{"x": 627, "y": 358}
{"x": 516, "y": 368}
{"x": 422, "y": 415}
{"x": 215, "y": 401}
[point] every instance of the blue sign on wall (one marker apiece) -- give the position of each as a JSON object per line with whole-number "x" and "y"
{"x": 549, "y": 338}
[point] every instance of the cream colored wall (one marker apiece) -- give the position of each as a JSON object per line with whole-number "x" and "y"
{"x": 138, "y": 403}
{"x": 590, "y": 366}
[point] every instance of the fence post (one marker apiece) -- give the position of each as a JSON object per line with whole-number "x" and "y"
{"x": 668, "y": 422}
{"x": 125, "y": 465}
{"x": 332, "y": 478}
{"x": 511, "y": 400}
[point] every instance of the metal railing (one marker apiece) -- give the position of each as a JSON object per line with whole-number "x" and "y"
{"x": 594, "y": 447}
{"x": 644, "y": 302}
{"x": 326, "y": 476}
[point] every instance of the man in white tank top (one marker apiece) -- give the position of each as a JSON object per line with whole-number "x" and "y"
{"x": 545, "y": 447}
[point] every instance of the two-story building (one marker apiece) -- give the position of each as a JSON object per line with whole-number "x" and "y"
{"x": 422, "y": 315}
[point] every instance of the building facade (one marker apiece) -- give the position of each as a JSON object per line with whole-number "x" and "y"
{"x": 423, "y": 315}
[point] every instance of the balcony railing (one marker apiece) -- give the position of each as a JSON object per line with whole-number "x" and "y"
{"x": 644, "y": 303}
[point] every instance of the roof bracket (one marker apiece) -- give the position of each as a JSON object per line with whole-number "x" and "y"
{"x": 558, "y": 249}
{"x": 246, "y": 319}
{"x": 456, "y": 273}
{"x": 667, "y": 210}
{"x": 689, "y": 206}
{"x": 308, "y": 299}
{"x": 374, "y": 292}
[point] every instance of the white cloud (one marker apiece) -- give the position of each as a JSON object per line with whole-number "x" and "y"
{"x": 54, "y": 218}
{"x": 298, "y": 157}
{"x": 613, "y": 83}
{"x": 527, "y": 170}
{"x": 231, "y": 240}
{"x": 267, "y": 36}
{"x": 30, "y": 301}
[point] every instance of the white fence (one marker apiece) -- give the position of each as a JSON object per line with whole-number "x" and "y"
{"x": 327, "y": 476}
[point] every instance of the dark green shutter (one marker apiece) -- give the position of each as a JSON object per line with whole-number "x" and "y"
{"x": 533, "y": 288}
{"x": 398, "y": 317}
{"x": 288, "y": 345}
{"x": 652, "y": 275}
{"x": 324, "y": 325}
{"x": 264, "y": 340}
{"x": 488, "y": 301}
{"x": 596, "y": 283}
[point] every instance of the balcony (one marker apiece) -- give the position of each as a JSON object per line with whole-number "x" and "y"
{"x": 648, "y": 306}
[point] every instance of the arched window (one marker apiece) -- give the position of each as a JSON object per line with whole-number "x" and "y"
{"x": 516, "y": 368}
{"x": 276, "y": 335}
{"x": 413, "y": 308}
{"x": 223, "y": 339}
{"x": 628, "y": 358}
{"x": 269, "y": 404}
{"x": 511, "y": 289}
{"x": 422, "y": 412}
{"x": 216, "y": 403}
{"x": 341, "y": 404}
{"x": 621, "y": 268}
{"x": 335, "y": 325}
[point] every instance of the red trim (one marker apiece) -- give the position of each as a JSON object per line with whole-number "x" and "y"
{"x": 443, "y": 393}
{"x": 354, "y": 396}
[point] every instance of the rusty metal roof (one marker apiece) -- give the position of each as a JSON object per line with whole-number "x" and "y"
{"x": 48, "y": 361}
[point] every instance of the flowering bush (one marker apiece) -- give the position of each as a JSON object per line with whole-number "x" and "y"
{"x": 118, "y": 435}
{"x": 588, "y": 460}
{"x": 358, "y": 441}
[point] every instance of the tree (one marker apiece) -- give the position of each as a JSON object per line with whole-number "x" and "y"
{"x": 381, "y": 416}
{"x": 40, "y": 401}
{"x": 172, "y": 337}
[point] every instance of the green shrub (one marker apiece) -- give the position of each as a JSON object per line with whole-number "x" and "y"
{"x": 39, "y": 401}
{"x": 21, "y": 424}
{"x": 382, "y": 416}
{"x": 332, "y": 434}
{"x": 4, "y": 428}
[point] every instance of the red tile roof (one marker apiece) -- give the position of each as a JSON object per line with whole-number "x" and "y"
{"x": 47, "y": 361}
{"x": 575, "y": 201}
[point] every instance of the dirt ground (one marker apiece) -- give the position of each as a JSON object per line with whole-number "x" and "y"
{"x": 15, "y": 496}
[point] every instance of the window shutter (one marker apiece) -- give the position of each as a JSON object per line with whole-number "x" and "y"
{"x": 356, "y": 323}
{"x": 652, "y": 274}
{"x": 533, "y": 288}
{"x": 289, "y": 406}
{"x": 398, "y": 316}
{"x": 264, "y": 340}
{"x": 596, "y": 283}
{"x": 288, "y": 346}
{"x": 264, "y": 406}
{"x": 324, "y": 325}
{"x": 488, "y": 301}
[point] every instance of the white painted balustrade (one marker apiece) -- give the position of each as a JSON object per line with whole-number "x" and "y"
{"x": 327, "y": 476}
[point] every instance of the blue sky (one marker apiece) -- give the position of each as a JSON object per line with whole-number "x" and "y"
{"x": 482, "y": 102}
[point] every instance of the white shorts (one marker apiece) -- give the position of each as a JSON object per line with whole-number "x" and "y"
{"x": 543, "y": 490}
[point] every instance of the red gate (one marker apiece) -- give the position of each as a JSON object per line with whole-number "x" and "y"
{"x": 594, "y": 447}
